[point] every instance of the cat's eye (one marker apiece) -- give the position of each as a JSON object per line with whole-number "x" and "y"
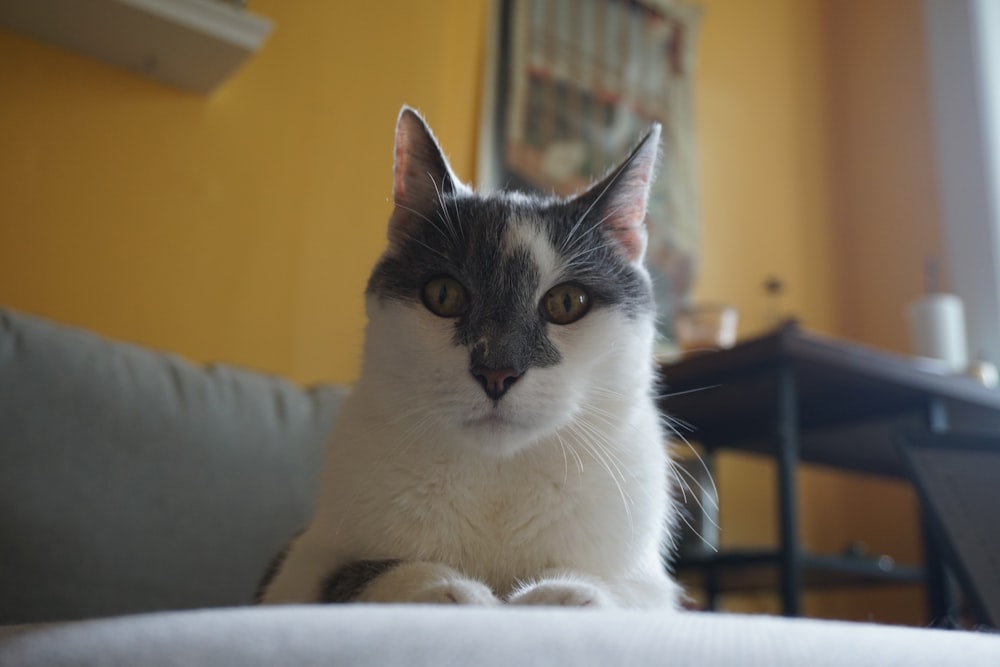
{"x": 565, "y": 303}
{"x": 444, "y": 296}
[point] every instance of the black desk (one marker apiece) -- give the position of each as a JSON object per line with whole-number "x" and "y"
{"x": 778, "y": 394}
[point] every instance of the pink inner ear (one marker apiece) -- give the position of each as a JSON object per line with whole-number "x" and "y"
{"x": 625, "y": 194}
{"x": 400, "y": 165}
{"x": 628, "y": 223}
{"x": 400, "y": 218}
{"x": 631, "y": 234}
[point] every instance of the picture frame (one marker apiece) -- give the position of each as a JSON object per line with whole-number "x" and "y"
{"x": 571, "y": 87}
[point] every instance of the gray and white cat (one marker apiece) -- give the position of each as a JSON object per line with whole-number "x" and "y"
{"x": 502, "y": 444}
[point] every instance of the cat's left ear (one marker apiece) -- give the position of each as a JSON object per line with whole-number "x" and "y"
{"x": 620, "y": 200}
{"x": 421, "y": 175}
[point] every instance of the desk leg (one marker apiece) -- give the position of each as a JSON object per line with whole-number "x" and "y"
{"x": 711, "y": 588}
{"x": 941, "y": 598}
{"x": 787, "y": 432}
{"x": 940, "y": 594}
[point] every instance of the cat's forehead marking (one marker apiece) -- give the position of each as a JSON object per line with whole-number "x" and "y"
{"x": 527, "y": 233}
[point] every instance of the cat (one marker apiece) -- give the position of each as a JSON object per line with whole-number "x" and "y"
{"x": 502, "y": 444}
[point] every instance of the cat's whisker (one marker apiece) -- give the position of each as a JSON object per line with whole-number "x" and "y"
{"x": 684, "y": 488}
{"x": 589, "y": 436}
{"x": 422, "y": 217}
{"x": 607, "y": 445}
{"x": 671, "y": 422}
{"x": 704, "y": 465}
{"x": 578, "y": 259}
{"x": 596, "y": 388}
{"x": 571, "y": 249}
{"x": 570, "y": 244}
{"x": 671, "y": 394}
{"x": 712, "y": 493}
{"x": 606, "y": 416}
{"x": 433, "y": 250}
{"x": 590, "y": 403}
{"x": 458, "y": 218}
{"x": 597, "y": 445}
{"x": 402, "y": 415}
{"x": 443, "y": 207}
{"x": 562, "y": 448}
{"x": 625, "y": 498}
{"x": 683, "y": 517}
{"x": 576, "y": 455}
{"x": 687, "y": 477}
{"x": 581, "y": 258}
{"x": 674, "y": 424}
{"x": 681, "y": 485}
{"x": 678, "y": 471}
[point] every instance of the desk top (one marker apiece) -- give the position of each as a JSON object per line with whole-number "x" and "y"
{"x": 728, "y": 397}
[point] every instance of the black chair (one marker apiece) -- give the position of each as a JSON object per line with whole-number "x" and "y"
{"x": 957, "y": 477}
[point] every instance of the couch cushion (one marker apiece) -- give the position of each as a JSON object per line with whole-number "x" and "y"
{"x": 451, "y": 636}
{"x": 132, "y": 480}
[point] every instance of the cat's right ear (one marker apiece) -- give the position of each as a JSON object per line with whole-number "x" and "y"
{"x": 421, "y": 175}
{"x": 620, "y": 200}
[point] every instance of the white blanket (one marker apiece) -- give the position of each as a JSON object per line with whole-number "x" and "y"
{"x": 360, "y": 635}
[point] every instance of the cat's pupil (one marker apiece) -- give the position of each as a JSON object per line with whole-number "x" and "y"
{"x": 567, "y": 302}
{"x": 442, "y": 295}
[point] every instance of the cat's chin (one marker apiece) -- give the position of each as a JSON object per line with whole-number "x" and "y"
{"x": 500, "y": 435}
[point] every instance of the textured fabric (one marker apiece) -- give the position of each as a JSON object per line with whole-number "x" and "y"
{"x": 360, "y": 635}
{"x": 132, "y": 481}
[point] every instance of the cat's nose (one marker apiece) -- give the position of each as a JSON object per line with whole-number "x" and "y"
{"x": 495, "y": 381}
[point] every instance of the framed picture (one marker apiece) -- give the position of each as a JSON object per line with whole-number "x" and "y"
{"x": 571, "y": 86}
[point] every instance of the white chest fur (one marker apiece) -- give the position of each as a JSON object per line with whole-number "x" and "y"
{"x": 596, "y": 505}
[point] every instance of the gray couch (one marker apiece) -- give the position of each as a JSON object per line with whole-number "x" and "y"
{"x": 132, "y": 481}
{"x": 148, "y": 494}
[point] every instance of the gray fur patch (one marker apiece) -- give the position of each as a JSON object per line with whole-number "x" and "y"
{"x": 271, "y": 572}
{"x": 347, "y": 583}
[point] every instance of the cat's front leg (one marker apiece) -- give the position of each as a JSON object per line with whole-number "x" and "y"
{"x": 393, "y": 581}
{"x": 563, "y": 589}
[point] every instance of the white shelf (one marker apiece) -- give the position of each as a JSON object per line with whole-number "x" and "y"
{"x": 193, "y": 44}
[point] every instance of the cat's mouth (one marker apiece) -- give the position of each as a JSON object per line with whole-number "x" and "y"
{"x": 496, "y": 420}
{"x": 491, "y": 420}
{"x": 498, "y": 433}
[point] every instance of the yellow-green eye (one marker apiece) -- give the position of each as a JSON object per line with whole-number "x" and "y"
{"x": 564, "y": 304}
{"x": 444, "y": 296}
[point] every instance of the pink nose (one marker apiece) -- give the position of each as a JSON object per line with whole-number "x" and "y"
{"x": 495, "y": 381}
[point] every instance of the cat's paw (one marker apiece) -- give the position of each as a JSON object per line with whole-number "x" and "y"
{"x": 430, "y": 583}
{"x": 462, "y": 591}
{"x": 562, "y": 593}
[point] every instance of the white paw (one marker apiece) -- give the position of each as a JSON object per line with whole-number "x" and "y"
{"x": 562, "y": 594}
{"x": 463, "y": 591}
{"x": 432, "y": 583}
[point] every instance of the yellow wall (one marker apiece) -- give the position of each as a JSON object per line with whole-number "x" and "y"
{"x": 239, "y": 227}
{"x": 763, "y": 157}
{"x": 886, "y": 198}
{"x": 816, "y": 162}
